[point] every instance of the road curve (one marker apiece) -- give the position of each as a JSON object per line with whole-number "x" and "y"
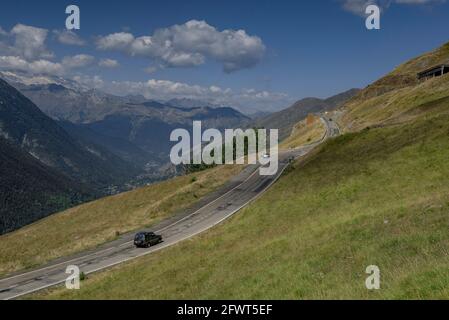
{"x": 209, "y": 212}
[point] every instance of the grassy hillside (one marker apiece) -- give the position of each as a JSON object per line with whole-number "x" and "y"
{"x": 94, "y": 223}
{"x": 397, "y": 96}
{"x": 304, "y": 133}
{"x": 379, "y": 196}
{"x": 285, "y": 120}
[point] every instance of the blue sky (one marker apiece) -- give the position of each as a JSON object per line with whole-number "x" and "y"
{"x": 291, "y": 49}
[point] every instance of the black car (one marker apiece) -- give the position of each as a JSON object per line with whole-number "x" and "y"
{"x": 146, "y": 239}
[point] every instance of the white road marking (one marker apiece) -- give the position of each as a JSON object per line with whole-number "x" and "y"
{"x": 159, "y": 247}
{"x": 327, "y": 134}
{"x": 130, "y": 242}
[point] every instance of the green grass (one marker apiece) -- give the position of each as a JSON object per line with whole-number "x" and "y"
{"x": 379, "y": 196}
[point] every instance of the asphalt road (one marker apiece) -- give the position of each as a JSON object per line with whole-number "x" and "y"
{"x": 212, "y": 210}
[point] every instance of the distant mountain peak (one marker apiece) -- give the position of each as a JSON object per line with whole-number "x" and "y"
{"x": 22, "y": 78}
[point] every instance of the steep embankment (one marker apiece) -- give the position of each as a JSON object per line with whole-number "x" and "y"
{"x": 399, "y": 96}
{"x": 378, "y": 196}
{"x": 375, "y": 197}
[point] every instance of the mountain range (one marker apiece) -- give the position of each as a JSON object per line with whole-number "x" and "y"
{"x": 82, "y": 143}
{"x": 22, "y": 123}
{"x": 131, "y": 127}
{"x": 30, "y": 190}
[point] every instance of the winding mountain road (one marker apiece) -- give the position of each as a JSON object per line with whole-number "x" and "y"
{"x": 212, "y": 210}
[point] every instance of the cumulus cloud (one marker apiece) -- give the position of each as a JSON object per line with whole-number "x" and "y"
{"x": 189, "y": 45}
{"x": 115, "y": 41}
{"x": 69, "y": 38}
{"x": 358, "y": 6}
{"x": 95, "y": 82}
{"x": 245, "y": 100}
{"x": 108, "y": 63}
{"x": 16, "y": 63}
{"x": 42, "y": 66}
{"x": 29, "y": 42}
{"x": 24, "y": 49}
{"x": 420, "y": 1}
{"x": 24, "y": 41}
{"x": 77, "y": 61}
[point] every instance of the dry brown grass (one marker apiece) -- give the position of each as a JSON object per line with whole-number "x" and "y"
{"x": 392, "y": 96}
{"x": 95, "y": 223}
{"x": 393, "y": 106}
{"x": 304, "y": 133}
{"x": 379, "y": 196}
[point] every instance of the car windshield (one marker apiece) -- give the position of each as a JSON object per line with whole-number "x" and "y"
{"x": 139, "y": 236}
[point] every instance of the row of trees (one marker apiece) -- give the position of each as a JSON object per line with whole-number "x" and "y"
{"x": 192, "y": 168}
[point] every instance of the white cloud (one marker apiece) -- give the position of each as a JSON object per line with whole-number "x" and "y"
{"x": 24, "y": 49}
{"x": 420, "y": 1}
{"x": 45, "y": 67}
{"x": 189, "y": 45}
{"x": 69, "y": 38}
{"x": 358, "y": 6}
{"x": 29, "y": 42}
{"x": 92, "y": 82}
{"x": 151, "y": 69}
{"x": 116, "y": 41}
{"x": 108, "y": 63}
{"x": 16, "y": 63}
{"x": 77, "y": 61}
{"x": 244, "y": 100}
